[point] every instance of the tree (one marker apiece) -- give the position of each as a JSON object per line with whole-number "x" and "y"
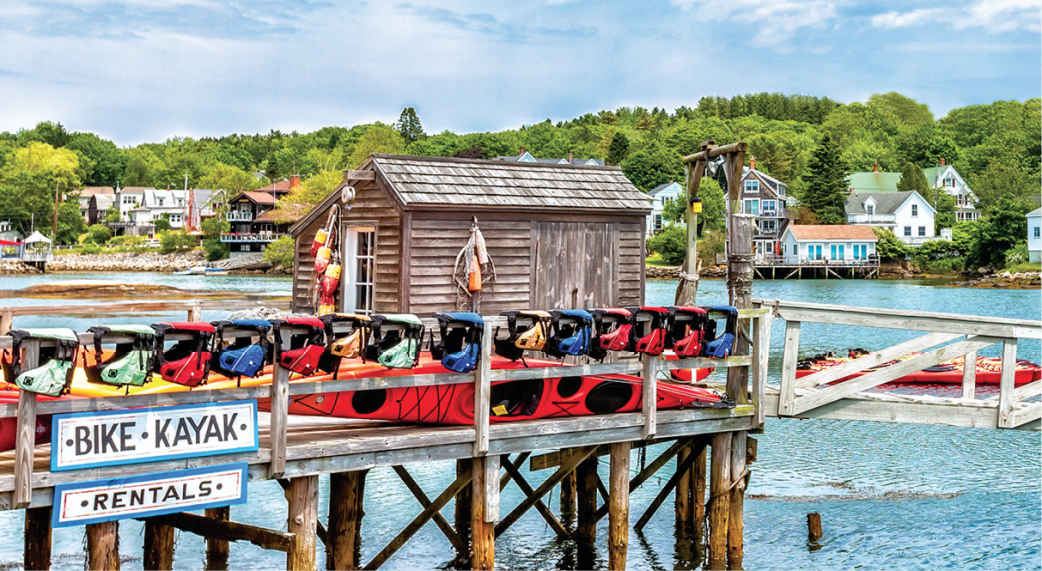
{"x": 378, "y": 138}
{"x": 106, "y": 162}
{"x": 912, "y": 178}
{"x": 161, "y": 224}
{"x": 888, "y": 247}
{"x": 231, "y": 179}
{"x": 98, "y": 234}
{"x": 826, "y": 192}
{"x": 714, "y": 206}
{"x": 653, "y": 165}
{"x": 142, "y": 167}
{"x": 671, "y": 244}
{"x": 28, "y": 181}
{"x": 944, "y": 204}
{"x": 1001, "y": 229}
{"x": 280, "y": 252}
{"x": 1003, "y": 178}
{"x": 409, "y": 126}
{"x": 618, "y": 149}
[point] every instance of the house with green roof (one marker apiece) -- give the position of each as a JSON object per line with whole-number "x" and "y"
{"x": 905, "y": 213}
{"x": 943, "y": 176}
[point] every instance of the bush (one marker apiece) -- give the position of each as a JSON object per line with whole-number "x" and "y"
{"x": 162, "y": 224}
{"x": 952, "y": 265}
{"x": 215, "y": 249}
{"x": 175, "y": 242}
{"x": 939, "y": 256}
{"x": 1017, "y": 255}
{"x": 127, "y": 240}
{"x": 280, "y": 252}
{"x": 99, "y": 234}
{"x": 889, "y": 248}
{"x": 89, "y": 248}
{"x": 670, "y": 243}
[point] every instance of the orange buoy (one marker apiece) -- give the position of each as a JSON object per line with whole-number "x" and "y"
{"x": 474, "y": 279}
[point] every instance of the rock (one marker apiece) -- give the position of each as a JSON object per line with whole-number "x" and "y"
{"x": 16, "y": 267}
{"x": 259, "y": 312}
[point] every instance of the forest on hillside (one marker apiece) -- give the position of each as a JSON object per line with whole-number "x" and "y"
{"x": 995, "y": 147}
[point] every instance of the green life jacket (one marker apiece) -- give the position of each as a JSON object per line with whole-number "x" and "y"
{"x": 58, "y": 349}
{"x": 394, "y": 340}
{"x": 131, "y": 364}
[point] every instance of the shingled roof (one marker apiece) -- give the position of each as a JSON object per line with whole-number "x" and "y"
{"x": 473, "y": 182}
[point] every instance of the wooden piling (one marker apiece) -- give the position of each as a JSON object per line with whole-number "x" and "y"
{"x": 586, "y": 487}
{"x": 568, "y": 495}
{"x": 461, "y": 509}
{"x": 159, "y": 546}
{"x": 217, "y": 548}
{"x": 698, "y": 490}
{"x": 814, "y": 532}
{"x": 302, "y": 522}
{"x": 682, "y": 496}
{"x": 618, "y": 505}
{"x": 736, "y": 520}
{"x": 482, "y": 532}
{"x": 103, "y": 546}
{"x": 37, "y": 554}
{"x": 346, "y": 495}
{"x": 719, "y": 499}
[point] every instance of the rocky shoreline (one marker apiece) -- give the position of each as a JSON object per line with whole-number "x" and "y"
{"x": 1005, "y": 280}
{"x": 673, "y": 272}
{"x": 140, "y": 262}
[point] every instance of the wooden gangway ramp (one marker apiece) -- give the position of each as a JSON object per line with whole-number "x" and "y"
{"x": 296, "y": 450}
{"x": 830, "y": 394}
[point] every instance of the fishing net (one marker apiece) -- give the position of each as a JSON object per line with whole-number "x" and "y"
{"x": 473, "y": 261}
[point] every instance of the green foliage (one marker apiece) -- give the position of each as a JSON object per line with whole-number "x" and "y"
{"x": 944, "y": 203}
{"x": 215, "y": 249}
{"x": 176, "y": 241}
{"x": 228, "y": 178}
{"x": 89, "y": 248}
{"x": 112, "y": 214}
{"x": 126, "y": 240}
{"x": 888, "y": 247}
{"x": 1002, "y": 227}
{"x": 1017, "y": 255}
{"x": 212, "y": 227}
{"x": 826, "y": 191}
{"x": 653, "y": 165}
{"x": 314, "y": 189}
{"x": 98, "y": 234}
{"x": 409, "y": 126}
{"x": 713, "y": 206}
{"x": 939, "y": 257}
{"x": 378, "y": 138}
{"x": 280, "y": 252}
{"x": 101, "y": 159}
{"x": 671, "y": 244}
{"x": 618, "y": 149}
{"x": 912, "y": 178}
{"x": 161, "y": 224}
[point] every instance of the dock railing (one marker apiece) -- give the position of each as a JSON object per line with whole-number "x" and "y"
{"x": 833, "y": 393}
{"x": 24, "y": 488}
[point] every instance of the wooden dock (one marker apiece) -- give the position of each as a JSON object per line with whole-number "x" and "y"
{"x": 775, "y": 269}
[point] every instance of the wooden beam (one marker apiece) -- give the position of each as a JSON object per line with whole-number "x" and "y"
{"x": 875, "y": 358}
{"x": 217, "y": 547}
{"x": 425, "y": 502}
{"x": 548, "y": 515}
{"x": 302, "y": 522}
{"x": 649, "y": 395}
{"x": 875, "y": 378}
{"x": 735, "y": 519}
{"x": 37, "y": 553}
{"x": 719, "y": 500}
{"x": 482, "y": 394}
{"x": 541, "y": 490}
{"x": 682, "y": 498}
{"x": 648, "y": 471}
{"x": 1007, "y": 383}
{"x": 358, "y": 175}
{"x": 222, "y": 529}
{"x": 482, "y": 527}
{"x": 279, "y": 419}
{"x": 698, "y": 490}
{"x": 346, "y": 501}
{"x": 461, "y": 511}
{"x": 586, "y": 480}
{"x": 158, "y": 552}
{"x": 714, "y": 152}
{"x": 671, "y": 484}
{"x": 969, "y": 375}
{"x": 26, "y": 438}
{"x": 103, "y": 546}
{"x": 618, "y": 505}
{"x": 790, "y": 359}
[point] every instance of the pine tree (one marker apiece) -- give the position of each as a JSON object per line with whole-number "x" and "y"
{"x": 826, "y": 192}
{"x": 620, "y": 145}
{"x": 912, "y": 178}
{"x": 409, "y": 125}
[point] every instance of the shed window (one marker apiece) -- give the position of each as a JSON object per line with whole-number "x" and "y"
{"x": 361, "y": 259}
{"x": 1036, "y": 229}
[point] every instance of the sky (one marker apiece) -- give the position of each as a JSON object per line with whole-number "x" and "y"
{"x": 145, "y": 70}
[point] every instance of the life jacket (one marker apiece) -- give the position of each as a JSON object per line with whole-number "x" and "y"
{"x": 686, "y": 327}
{"x": 131, "y": 363}
{"x": 187, "y": 362}
{"x": 394, "y": 340}
{"x": 526, "y": 330}
{"x": 345, "y": 338}
{"x": 299, "y": 343}
{"x": 58, "y": 348}
{"x": 459, "y": 348}
{"x": 241, "y": 356}
{"x": 571, "y": 330}
{"x": 719, "y": 344}
{"x": 611, "y": 331}
{"x": 649, "y": 334}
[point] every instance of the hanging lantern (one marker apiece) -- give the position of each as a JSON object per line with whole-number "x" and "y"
{"x": 696, "y": 205}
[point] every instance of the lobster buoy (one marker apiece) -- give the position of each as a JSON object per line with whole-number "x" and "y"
{"x": 320, "y": 240}
{"x": 474, "y": 279}
{"x": 322, "y": 257}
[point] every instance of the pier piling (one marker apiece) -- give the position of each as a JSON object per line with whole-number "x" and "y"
{"x": 159, "y": 546}
{"x": 302, "y": 522}
{"x": 482, "y": 531}
{"x": 618, "y": 505}
{"x": 37, "y": 538}
{"x": 346, "y": 493}
{"x": 719, "y": 499}
{"x": 216, "y": 547}
{"x": 103, "y": 546}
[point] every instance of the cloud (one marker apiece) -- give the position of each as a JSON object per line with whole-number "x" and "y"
{"x": 905, "y": 19}
{"x": 989, "y": 15}
{"x": 491, "y": 26}
{"x": 778, "y": 21}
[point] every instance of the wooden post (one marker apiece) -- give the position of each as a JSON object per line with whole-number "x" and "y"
{"x": 790, "y": 358}
{"x": 37, "y": 553}
{"x": 568, "y": 499}
{"x": 461, "y": 509}
{"x": 302, "y": 522}
{"x": 736, "y": 520}
{"x": 6, "y": 322}
{"x": 649, "y": 395}
{"x": 814, "y": 532}
{"x": 346, "y": 495}
{"x": 618, "y": 505}
{"x": 739, "y": 282}
{"x": 698, "y": 490}
{"x": 1007, "y": 379}
{"x": 216, "y": 548}
{"x": 195, "y": 312}
{"x": 279, "y": 419}
{"x": 159, "y": 546}
{"x": 103, "y": 546}
{"x": 586, "y": 480}
{"x": 682, "y": 495}
{"x": 969, "y": 375}
{"x": 719, "y": 500}
{"x": 26, "y": 442}
{"x": 482, "y": 394}
{"x": 482, "y": 531}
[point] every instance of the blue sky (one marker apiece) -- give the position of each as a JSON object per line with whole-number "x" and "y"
{"x": 144, "y": 70}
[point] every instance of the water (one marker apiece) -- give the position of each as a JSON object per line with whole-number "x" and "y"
{"x": 900, "y": 496}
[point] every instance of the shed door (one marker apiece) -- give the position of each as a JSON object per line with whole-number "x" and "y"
{"x": 574, "y": 265}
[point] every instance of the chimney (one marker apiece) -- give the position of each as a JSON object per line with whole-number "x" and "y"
{"x": 294, "y": 181}
{"x": 522, "y": 150}
{"x": 570, "y": 157}
{"x": 752, "y": 163}
{"x": 942, "y": 161}
{"x": 875, "y": 168}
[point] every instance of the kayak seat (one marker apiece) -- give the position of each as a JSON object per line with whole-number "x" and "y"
{"x": 246, "y": 361}
{"x": 130, "y": 369}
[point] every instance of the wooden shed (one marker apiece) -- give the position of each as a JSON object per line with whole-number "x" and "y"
{"x": 559, "y": 235}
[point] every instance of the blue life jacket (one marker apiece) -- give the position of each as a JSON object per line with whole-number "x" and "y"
{"x": 242, "y": 357}
{"x": 572, "y": 330}
{"x": 460, "y": 346}
{"x": 719, "y": 346}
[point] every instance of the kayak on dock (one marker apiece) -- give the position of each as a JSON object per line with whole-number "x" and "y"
{"x": 989, "y": 369}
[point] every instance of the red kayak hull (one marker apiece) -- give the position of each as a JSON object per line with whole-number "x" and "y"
{"x": 989, "y": 372}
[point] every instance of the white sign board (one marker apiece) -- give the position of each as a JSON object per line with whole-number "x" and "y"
{"x": 83, "y": 503}
{"x": 113, "y": 437}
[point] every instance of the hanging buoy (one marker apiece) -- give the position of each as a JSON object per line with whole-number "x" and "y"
{"x": 474, "y": 280}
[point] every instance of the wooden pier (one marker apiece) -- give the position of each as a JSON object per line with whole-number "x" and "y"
{"x": 768, "y": 268}
{"x": 295, "y": 450}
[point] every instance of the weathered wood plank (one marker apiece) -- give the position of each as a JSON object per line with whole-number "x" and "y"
{"x": 302, "y": 522}
{"x": 649, "y": 395}
{"x": 618, "y": 505}
{"x": 26, "y": 439}
{"x": 969, "y": 375}
{"x": 790, "y": 359}
{"x": 103, "y": 546}
{"x": 425, "y": 502}
{"x": 483, "y": 394}
{"x": 279, "y": 422}
{"x": 221, "y": 529}
{"x": 875, "y": 358}
{"x": 1006, "y": 383}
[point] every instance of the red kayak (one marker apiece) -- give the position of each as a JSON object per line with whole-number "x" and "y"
{"x": 989, "y": 370}
{"x": 511, "y": 400}
{"x": 9, "y": 426}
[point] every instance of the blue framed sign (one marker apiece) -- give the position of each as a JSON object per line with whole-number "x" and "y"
{"x": 131, "y": 436}
{"x": 82, "y": 503}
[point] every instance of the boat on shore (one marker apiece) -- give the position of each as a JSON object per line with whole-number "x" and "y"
{"x": 201, "y": 271}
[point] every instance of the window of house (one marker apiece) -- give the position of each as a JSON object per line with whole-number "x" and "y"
{"x": 361, "y": 245}
{"x": 768, "y": 226}
{"x": 769, "y": 207}
{"x": 870, "y": 209}
{"x": 752, "y": 186}
{"x": 781, "y": 189}
{"x": 175, "y": 218}
{"x": 908, "y": 230}
{"x": 795, "y": 250}
{"x": 915, "y": 210}
{"x": 922, "y": 230}
{"x": 949, "y": 181}
{"x": 1037, "y": 229}
{"x": 244, "y": 247}
{"x": 752, "y": 206}
{"x": 658, "y": 222}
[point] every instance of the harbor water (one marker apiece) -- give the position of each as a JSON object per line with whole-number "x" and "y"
{"x": 890, "y": 495}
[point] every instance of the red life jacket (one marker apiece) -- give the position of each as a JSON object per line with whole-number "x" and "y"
{"x": 299, "y": 343}
{"x": 651, "y": 332}
{"x": 187, "y": 362}
{"x": 685, "y": 330}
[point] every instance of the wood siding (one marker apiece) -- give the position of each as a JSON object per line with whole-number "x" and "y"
{"x": 586, "y": 264}
{"x": 371, "y": 205}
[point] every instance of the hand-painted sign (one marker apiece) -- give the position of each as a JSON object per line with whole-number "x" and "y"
{"x": 83, "y": 503}
{"x": 113, "y": 437}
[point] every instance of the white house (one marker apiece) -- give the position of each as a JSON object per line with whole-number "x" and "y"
{"x": 905, "y": 213}
{"x": 659, "y": 196}
{"x": 157, "y": 203}
{"x": 1035, "y": 235}
{"x": 828, "y": 243}
{"x": 943, "y": 176}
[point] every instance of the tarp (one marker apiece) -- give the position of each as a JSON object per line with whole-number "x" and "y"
{"x": 9, "y": 243}
{"x": 36, "y": 237}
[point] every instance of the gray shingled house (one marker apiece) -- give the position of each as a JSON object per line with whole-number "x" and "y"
{"x": 559, "y": 235}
